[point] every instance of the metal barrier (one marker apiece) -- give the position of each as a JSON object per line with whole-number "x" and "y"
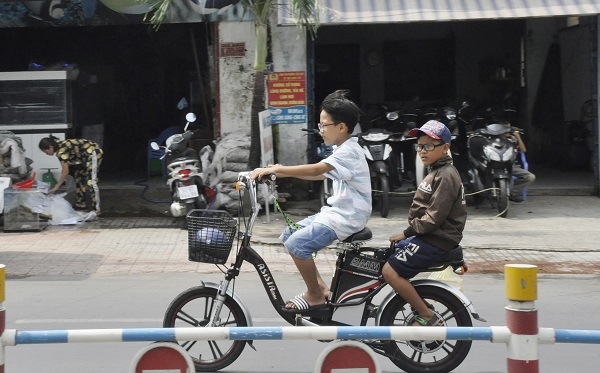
{"x": 494, "y": 334}
{"x": 522, "y": 349}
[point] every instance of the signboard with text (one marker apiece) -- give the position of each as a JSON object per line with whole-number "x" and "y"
{"x": 287, "y": 97}
{"x": 266, "y": 139}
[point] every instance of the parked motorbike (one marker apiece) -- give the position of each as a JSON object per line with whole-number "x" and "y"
{"x": 376, "y": 145}
{"x": 399, "y": 122}
{"x": 321, "y": 151}
{"x": 392, "y": 119}
{"x": 184, "y": 169}
{"x": 491, "y": 157}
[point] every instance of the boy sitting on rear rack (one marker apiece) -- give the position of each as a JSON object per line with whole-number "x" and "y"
{"x": 436, "y": 219}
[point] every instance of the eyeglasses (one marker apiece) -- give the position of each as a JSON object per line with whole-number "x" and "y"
{"x": 323, "y": 125}
{"x": 428, "y": 147}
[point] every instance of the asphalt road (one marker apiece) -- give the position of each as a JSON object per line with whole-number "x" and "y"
{"x": 140, "y": 300}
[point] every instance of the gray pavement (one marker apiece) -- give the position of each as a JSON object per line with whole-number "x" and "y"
{"x": 560, "y": 234}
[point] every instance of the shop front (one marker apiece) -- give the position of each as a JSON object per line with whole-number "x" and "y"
{"x": 542, "y": 54}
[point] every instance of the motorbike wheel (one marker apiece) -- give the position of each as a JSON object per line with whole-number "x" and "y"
{"x": 439, "y": 356}
{"x": 326, "y": 190}
{"x": 194, "y": 308}
{"x": 383, "y": 196}
{"x": 502, "y": 196}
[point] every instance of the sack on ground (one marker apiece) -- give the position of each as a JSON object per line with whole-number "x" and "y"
{"x": 61, "y": 211}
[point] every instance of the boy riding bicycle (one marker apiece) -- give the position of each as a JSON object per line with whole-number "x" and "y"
{"x": 349, "y": 208}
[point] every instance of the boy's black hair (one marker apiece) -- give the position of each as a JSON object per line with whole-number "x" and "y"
{"x": 341, "y": 109}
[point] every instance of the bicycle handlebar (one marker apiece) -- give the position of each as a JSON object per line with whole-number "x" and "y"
{"x": 245, "y": 182}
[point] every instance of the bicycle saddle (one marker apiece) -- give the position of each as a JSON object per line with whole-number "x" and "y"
{"x": 363, "y": 235}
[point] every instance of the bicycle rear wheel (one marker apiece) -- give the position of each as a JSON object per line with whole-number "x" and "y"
{"x": 194, "y": 307}
{"x": 428, "y": 356}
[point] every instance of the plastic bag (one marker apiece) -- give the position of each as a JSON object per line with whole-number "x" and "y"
{"x": 449, "y": 277}
{"x": 61, "y": 211}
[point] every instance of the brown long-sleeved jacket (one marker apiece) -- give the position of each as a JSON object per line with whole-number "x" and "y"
{"x": 438, "y": 212}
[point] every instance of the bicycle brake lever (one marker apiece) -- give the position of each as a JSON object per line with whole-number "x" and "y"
{"x": 267, "y": 179}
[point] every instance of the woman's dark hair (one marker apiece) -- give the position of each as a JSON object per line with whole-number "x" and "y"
{"x": 47, "y": 142}
{"x": 341, "y": 109}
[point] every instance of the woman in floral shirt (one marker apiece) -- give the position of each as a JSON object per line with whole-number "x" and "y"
{"x": 86, "y": 157}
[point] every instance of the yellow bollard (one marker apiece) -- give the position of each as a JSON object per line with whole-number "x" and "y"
{"x": 521, "y": 282}
{"x": 521, "y": 318}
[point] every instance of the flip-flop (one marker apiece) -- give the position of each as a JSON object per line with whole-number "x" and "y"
{"x": 301, "y": 305}
{"x": 433, "y": 321}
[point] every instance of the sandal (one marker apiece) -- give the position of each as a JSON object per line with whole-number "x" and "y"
{"x": 433, "y": 321}
{"x": 300, "y": 304}
{"x": 79, "y": 206}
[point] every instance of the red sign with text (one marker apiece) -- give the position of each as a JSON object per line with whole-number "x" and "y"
{"x": 287, "y": 97}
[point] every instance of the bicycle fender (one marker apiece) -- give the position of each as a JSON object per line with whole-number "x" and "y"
{"x": 214, "y": 285}
{"x": 427, "y": 282}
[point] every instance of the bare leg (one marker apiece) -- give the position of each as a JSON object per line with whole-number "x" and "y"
{"x": 405, "y": 289}
{"x": 317, "y": 291}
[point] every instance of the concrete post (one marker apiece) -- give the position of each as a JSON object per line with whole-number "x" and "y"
{"x": 521, "y": 318}
{"x": 2, "y": 315}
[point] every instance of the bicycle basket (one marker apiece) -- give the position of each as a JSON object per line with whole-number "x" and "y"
{"x": 210, "y": 235}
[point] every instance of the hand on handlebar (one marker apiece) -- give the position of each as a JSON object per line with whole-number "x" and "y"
{"x": 264, "y": 174}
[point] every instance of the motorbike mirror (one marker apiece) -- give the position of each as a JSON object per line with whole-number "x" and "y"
{"x": 392, "y": 115}
{"x": 190, "y": 117}
{"x": 154, "y": 145}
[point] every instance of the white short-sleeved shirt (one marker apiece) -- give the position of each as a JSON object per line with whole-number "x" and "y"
{"x": 350, "y": 206}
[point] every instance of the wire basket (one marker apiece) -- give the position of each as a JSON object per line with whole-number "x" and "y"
{"x": 210, "y": 235}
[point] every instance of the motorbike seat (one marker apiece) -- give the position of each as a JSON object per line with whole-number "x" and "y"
{"x": 363, "y": 235}
{"x": 185, "y": 158}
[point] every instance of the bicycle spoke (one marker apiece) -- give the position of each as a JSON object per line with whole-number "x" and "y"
{"x": 188, "y": 344}
{"x": 214, "y": 348}
{"x": 187, "y": 318}
{"x": 417, "y": 356}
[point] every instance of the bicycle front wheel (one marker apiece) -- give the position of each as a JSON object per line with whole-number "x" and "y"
{"x": 195, "y": 308}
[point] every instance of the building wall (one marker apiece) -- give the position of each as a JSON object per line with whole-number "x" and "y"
{"x": 235, "y": 84}
{"x": 235, "y": 74}
{"x": 289, "y": 54}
